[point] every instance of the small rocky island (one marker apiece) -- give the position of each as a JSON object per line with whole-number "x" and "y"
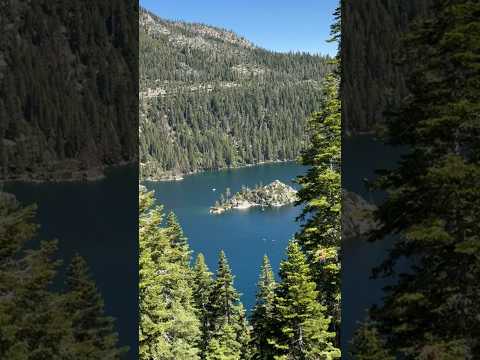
{"x": 274, "y": 194}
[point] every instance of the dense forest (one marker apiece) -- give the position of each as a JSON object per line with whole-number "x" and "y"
{"x": 68, "y": 88}
{"x": 44, "y": 315}
{"x": 210, "y": 99}
{"x": 189, "y": 313}
{"x": 431, "y": 310}
{"x": 371, "y": 77}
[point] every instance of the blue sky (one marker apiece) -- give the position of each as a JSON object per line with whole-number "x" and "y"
{"x": 279, "y": 25}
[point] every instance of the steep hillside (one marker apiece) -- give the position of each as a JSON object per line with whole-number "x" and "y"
{"x": 371, "y": 76}
{"x": 210, "y": 99}
{"x": 67, "y": 88}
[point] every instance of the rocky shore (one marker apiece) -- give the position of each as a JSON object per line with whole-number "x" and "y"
{"x": 357, "y": 216}
{"x": 274, "y": 194}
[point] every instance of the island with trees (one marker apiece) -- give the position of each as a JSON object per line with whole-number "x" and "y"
{"x": 275, "y": 194}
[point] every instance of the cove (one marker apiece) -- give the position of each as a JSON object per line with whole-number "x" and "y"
{"x": 244, "y": 235}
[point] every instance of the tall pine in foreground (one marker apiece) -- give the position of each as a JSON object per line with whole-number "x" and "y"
{"x": 321, "y": 196}
{"x": 32, "y": 321}
{"x": 93, "y": 331}
{"x": 36, "y": 321}
{"x": 169, "y": 328}
{"x": 301, "y": 321}
{"x": 262, "y": 318}
{"x": 434, "y": 195}
{"x": 230, "y": 333}
{"x": 202, "y": 286}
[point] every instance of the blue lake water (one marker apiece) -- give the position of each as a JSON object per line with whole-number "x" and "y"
{"x": 244, "y": 235}
{"x": 361, "y": 157}
{"x": 99, "y": 221}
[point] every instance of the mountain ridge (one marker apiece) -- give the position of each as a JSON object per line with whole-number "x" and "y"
{"x": 210, "y": 99}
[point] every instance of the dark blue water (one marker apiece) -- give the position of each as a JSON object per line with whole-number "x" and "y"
{"x": 244, "y": 235}
{"x": 361, "y": 156}
{"x": 99, "y": 221}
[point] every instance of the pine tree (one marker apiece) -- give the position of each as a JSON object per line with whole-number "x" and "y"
{"x": 224, "y": 346}
{"x": 202, "y": 286}
{"x": 224, "y": 296}
{"x": 169, "y": 328}
{"x": 434, "y": 198}
{"x": 367, "y": 344}
{"x": 321, "y": 196}
{"x": 263, "y": 313}
{"x": 303, "y": 326}
{"x": 94, "y": 333}
{"x": 177, "y": 237}
{"x": 33, "y": 320}
{"x": 227, "y": 313}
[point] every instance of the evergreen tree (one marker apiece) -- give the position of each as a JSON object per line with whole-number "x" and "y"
{"x": 169, "y": 328}
{"x": 94, "y": 333}
{"x": 177, "y": 238}
{"x": 37, "y": 322}
{"x": 321, "y": 196}
{"x": 224, "y": 346}
{"x": 367, "y": 344}
{"x": 224, "y": 296}
{"x": 202, "y": 286}
{"x": 227, "y": 312}
{"x": 263, "y": 313}
{"x": 303, "y": 326}
{"x": 434, "y": 199}
{"x": 32, "y": 323}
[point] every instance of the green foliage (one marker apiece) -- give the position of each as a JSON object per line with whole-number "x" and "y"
{"x": 68, "y": 113}
{"x": 169, "y": 328}
{"x": 202, "y": 287}
{"x": 224, "y": 296}
{"x": 37, "y": 322}
{"x": 367, "y": 344}
{"x": 321, "y": 195}
{"x": 434, "y": 198}
{"x": 93, "y": 332}
{"x": 371, "y": 78}
{"x": 224, "y": 345}
{"x": 227, "y": 312}
{"x": 263, "y": 313}
{"x": 302, "y": 323}
{"x": 209, "y": 102}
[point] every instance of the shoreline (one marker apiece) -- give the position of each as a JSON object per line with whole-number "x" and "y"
{"x": 66, "y": 175}
{"x": 181, "y": 176}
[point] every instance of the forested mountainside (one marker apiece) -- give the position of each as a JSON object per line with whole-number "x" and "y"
{"x": 66, "y": 72}
{"x": 210, "y": 99}
{"x": 371, "y": 78}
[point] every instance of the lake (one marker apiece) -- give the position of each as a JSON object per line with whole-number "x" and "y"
{"x": 244, "y": 235}
{"x": 247, "y": 235}
{"x": 361, "y": 156}
{"x": 98, "y": 220}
